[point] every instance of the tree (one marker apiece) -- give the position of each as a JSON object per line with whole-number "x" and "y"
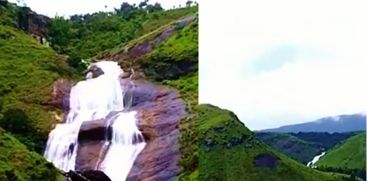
{"x": 143, "y": 4}
{"x": 60, "y": 32}
{"x": 188, "y": 3}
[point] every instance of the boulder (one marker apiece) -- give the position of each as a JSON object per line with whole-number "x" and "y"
{"x": 60, "y": 93}
{"x": 88, "y": 175}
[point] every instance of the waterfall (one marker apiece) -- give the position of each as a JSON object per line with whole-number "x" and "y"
{"x": 315, "y": 159}
{"x": 92, "y": 99}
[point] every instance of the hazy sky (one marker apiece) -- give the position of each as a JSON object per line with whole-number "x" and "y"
{"x": 283, "y": 62}
{"x": 71, "y": 7}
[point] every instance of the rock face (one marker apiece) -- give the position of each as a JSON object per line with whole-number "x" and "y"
{"x": 92, "y": 175}
{"x": 159, "y": 111}
{"x": 32, "y": 22}
{"x": 60, "y": 93}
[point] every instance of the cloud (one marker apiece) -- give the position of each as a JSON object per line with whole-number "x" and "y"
{"x": 285, "y": 62}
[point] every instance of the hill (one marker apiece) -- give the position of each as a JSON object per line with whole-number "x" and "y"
{"x": 230, "y": 151}
{"x": 349, "y": 156}
{"x": 295, "y": 148}
{"x": 29, "y": 65}
{"x": 27, "y": 71}
{"x": 341, "y": 123}
{"x": 17, "y": 163}
{"x": 303, "y": 146}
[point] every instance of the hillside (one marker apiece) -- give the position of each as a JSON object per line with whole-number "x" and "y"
{"x": 350, "y": 155}
{"x": 29, "y": 67}
{"x": 341, "y": 123}
{"x": 17, "y": 163}
{"x": 229, "y": 151}
{"x": 27, "y": 71}
{"x": 292, "y": 146}
{"x": 303, "y": 146}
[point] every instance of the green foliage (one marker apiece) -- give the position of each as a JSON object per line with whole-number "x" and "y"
{"x": 228, "y": 151}
{"x": 84, "y": 36}
{"x": 17, "y": 163}
{"x": 27, "y": 71}
{"x": 8, "y": 14}
{"x": 19, "y": 125}
{"x": 303, "y": 146}
{"x": 177, "y": 56}
{"x": 351, "y": 154}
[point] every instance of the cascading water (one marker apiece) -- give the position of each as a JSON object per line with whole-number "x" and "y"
{"x": 93, "y": 99}
{"x": 315, "y": 159}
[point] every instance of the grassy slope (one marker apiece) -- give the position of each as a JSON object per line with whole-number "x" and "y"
{"x": 351, "y": 154}
{"x": 228, "y": 149}
{"x": 27, "y": 71}
{"x": 295, "y": 148}
{"x": 17, "y": 163}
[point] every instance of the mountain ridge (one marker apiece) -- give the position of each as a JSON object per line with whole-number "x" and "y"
{"x": 331, "y": 124}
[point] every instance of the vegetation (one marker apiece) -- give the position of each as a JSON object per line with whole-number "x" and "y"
{"x": 292, "y": 146}
{"x": 19, "y": 164}
{"x": 327, "y": 140}
{"x": 24, "y": 111}
{"x": 348, "y": 157}
{"x": 84, "y": 36}
{"x": 27, "y": 71}
{"x": 229, "y": 151}
{"x": 303, "y": 146}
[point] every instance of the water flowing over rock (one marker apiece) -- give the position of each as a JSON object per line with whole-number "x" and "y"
{"x": 95, "y": 99}
{"x": 135, "y": 138}
{"x": 315, "y": 159}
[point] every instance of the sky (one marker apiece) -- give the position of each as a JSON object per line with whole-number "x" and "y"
{"x": 71, "y": 7}
{"x": 283, "y": 62}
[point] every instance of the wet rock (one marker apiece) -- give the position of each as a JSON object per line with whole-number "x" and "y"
{"x": 159, "y": 112}
{"x": 88, "y": 175}
{"x": 61, "y": 93}
{"x": 266, "y": 160}
{"x": 93, "y": 72}
{"x": 94, "y": 131}
{"x": 90, "y": 155}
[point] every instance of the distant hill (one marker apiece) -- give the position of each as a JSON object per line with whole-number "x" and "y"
{"x": 349, "y": 155}
{"x": 303, "y": 146}
{"x": 342, "y": 123}
{"x": 230, "y": 151}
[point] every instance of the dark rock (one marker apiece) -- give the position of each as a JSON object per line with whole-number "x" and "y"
{"x": 90, "y": 155}
{"x": 94, "y": 131}
{"x": 159, "y": 112}
{"x": 95, "y": 71}
{"x": 88, "y": 175}
{"x": 140, "y": 50}
{"x": 266, "y": 160}
{"x": 61, "y": 93}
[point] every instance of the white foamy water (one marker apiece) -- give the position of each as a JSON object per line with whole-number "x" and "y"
{"x": 93, "y": 99}
{"x": 315, "y": 159}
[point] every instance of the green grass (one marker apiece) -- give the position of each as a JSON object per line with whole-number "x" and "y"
{"x": 228, "y": 150}
{"x": 27, "y": 71}
{"x": 158, "y": 19}
{"x": 351, "y": 154}
{"x": 295, "y": 148}
{"x": 19, "y": 164}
